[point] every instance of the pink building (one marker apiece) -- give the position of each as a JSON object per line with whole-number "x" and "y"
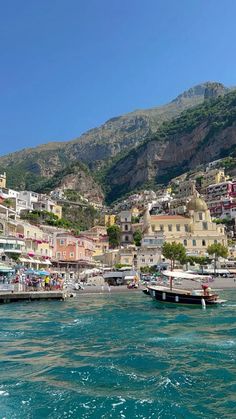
{"x": 221, "y": 199}
{"x": 69, "y": 248}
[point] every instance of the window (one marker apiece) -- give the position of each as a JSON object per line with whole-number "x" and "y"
{"x": 170, "y": 227}
{"x": 62, "y": 242}
{"x": 161, "y": 227}
{"x": 204, "y": 225}
{"x": 200, "y": 215}
{"x": 143, "y": 260}
{"x": 153, "y": 228}
{"x": 194, "y": 242}
{"x": 177, "y": 227}
{"x": 186, "y": 228}
{"x": 71, "y": 254}
{"x": 203, "y": 242}
{"x": 64, "y": 253}
{"x": 126, "y": 238}
{"x": 58, "y": 255}
{"x": 185, "y": 242}
{"x": 126, "y": 227}
{"x": 215, "y": 241}
{"x": 151, "y": 260}
{"x": 126, "y": 220}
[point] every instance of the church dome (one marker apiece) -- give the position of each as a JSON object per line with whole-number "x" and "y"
{"x": 197, "y": 204}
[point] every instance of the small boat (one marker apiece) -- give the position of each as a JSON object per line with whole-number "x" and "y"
{"x": 164, "y": 294}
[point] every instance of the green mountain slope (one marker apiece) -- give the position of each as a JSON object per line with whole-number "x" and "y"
{"x": 29, "y": 168}
{"x": 202, "y": 134}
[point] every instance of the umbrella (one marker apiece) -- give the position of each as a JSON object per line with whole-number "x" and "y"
{"x": 43, "y": 273}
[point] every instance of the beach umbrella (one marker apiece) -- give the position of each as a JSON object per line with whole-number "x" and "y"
{"x": 44, "y": 273}
{"x": 31, "y": 272}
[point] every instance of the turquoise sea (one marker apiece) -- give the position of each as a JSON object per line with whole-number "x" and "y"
{"x": 117, "y": 356}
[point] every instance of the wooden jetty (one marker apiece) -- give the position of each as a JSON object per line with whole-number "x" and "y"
{"x": 12, "y": 296}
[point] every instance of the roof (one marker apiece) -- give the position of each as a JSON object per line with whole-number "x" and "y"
{"x": 168, "y": 217}
{"x": 197, "y": 204}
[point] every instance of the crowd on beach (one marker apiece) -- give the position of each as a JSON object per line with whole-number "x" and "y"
{"x": 31, "y": 282}
{"x": 38, "y": 283}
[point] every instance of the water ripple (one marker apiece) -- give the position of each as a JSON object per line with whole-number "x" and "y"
{"x": 119, "y": 356}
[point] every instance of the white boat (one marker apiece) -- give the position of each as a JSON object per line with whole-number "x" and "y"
{"x": 165, "y": 294}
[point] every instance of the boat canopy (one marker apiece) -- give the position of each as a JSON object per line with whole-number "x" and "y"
{"x": 184, "y": 275}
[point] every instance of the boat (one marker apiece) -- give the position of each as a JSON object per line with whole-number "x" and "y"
{"x": 203, "y": 297}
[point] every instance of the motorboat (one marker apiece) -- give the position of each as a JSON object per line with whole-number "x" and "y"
{"x": 169, "y": 294}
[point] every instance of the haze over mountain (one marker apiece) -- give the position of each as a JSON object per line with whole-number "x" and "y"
{"x": 106, "y": 145}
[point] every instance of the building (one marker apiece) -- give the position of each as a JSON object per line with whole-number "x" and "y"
{"x": 109, "y": 219}
{"x": 186, "y": 188}
{"x": 30, "y": 198}
{"x": 195, "y": 231}
{"x": 44, "y": 203}
{"x": 213, "y": 176}
{"x": 73, "y": 250}
{"x": 125, "y": 219}
{"x": 3, "y": 180}
{"x": 221, "y": 199}
{"x": 149, "y": 254}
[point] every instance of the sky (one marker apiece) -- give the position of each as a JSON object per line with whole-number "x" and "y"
{"x": 67, "y": 66}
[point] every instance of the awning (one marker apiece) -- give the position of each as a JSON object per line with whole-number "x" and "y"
{"x": 129, "y": 277}
{"x": 45, "y": 262}
{"x": 183, "y": 275}
{"x": 24, "y": 260}
{"x": 5, "y": 268}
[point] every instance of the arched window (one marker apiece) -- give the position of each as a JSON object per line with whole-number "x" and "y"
{"x": 185, "y": 242}
{"x": 204, "y": 242}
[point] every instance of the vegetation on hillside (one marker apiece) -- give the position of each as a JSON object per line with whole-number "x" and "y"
{"x": 216, "y": 114}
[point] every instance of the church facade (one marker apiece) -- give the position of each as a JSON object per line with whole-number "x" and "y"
{"x": 196, "y": 230}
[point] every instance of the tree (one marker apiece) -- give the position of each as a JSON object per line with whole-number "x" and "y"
{"x": 217, "y": 250}
{"x": 114, "y": 232}
{"x": 137, "y": 237}
{"x": 174, "y": 251}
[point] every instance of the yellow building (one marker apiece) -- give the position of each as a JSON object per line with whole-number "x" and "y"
{"x": 57, "y": 210}
{"x": 195, "y": 231}
{"x": 38, "y": 245}
{"x": 109, "y": 220}
{"x": 213, "y": 176}
{"x": 3, "y": 180}
{"x": 135, "y": 212}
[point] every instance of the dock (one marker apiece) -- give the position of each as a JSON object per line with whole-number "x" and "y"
{"x": 12, "y": 296}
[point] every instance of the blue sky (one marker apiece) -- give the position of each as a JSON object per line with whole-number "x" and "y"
{"x": 69, "y": 65}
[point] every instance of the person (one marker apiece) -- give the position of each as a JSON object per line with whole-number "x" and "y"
{"x": 206, "y": 289}
{"x": 47, "y": 283}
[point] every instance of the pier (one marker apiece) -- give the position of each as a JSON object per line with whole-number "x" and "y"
{"x": 10, "y": 297}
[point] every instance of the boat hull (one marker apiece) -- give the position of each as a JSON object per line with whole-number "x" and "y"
{"x": 168, "y": 296}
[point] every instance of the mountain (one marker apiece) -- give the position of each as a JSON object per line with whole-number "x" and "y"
{"x": 77, "y": 182}
{"x": 199, "y": 135}
{"x": 31, "y": 167}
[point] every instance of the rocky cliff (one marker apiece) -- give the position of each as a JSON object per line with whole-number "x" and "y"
{"x": 128, "y": 151}
{"x": 29, "y": 167}
{"x": 199, "y": 135}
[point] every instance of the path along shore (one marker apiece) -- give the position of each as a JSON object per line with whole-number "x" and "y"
{"x": 218, "y": 284}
